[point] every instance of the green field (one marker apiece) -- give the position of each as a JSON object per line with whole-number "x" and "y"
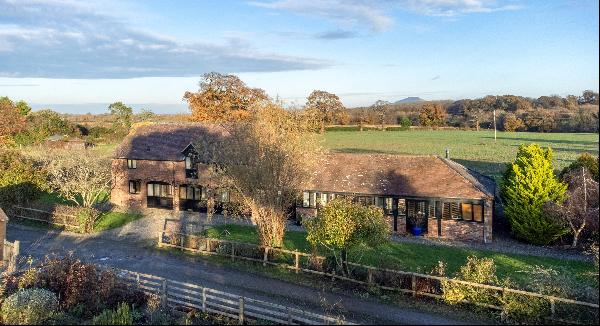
{"x": 474, "y": 149}
{"x": 422, "y": 258}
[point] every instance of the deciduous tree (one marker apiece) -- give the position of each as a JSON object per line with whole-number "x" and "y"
{"x": 580, "y": 210}
{"x": 380, "y": 109}
{"x": 78, "y": 176}
{"x": 11, "y": 121}
{"x": 266, "y": 160}
{"x": 122, "y": 114}
{"x": 342, "y": 226}
{"x": 222, "y": 98}
{"x": 325, "y": 107}
{"x": 432, "y": 115}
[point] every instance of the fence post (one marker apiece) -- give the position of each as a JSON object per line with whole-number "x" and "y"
{"x": 232, "y": 251}
{"x": 207, "y": 245}
{"x": 181, "y": 239}
{"x": 266, "y": 256}
{"x": 297, "y": 260}
{"x": 241, "y": 311}
{"x": 552, "y": 308}
{"x": 414, "y": 284}
{"x": 160, "y": 239}
{"x": 164, "y": 293}
{"x": 203, "y": 299}
{"x": 370, "y": 275}
{"x": 15, "y": 254}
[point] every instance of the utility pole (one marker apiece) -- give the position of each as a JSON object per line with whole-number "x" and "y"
{"x": 495, "y": 126}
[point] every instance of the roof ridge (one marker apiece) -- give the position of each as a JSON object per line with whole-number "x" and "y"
{"x": 453, "y": 165}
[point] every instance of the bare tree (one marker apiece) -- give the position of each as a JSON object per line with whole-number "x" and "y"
{"x": 580, "y": 209}
{"x": 78, "y": 176}
{"x": 380, "y": 108}
{"x": 266, "y": 161}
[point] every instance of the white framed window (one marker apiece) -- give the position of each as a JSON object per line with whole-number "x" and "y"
{"x": 188, "y": 163}
{"x": 132, "y": 164}
{"x": 134, "y": 186}
{"x": 306, "y": 199}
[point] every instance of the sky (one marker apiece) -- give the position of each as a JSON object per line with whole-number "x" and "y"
{"x": 79, "y": 56}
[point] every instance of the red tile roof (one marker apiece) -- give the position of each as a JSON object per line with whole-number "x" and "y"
{"x": 400, "y": 175}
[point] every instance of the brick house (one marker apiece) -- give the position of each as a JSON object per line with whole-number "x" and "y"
{"x": 163, "y": 166}
{"x": 439, "y": 195}
{"x": 159, "y": 166}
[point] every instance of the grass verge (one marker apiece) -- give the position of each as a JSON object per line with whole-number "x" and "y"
{"x": 422, "y": 258}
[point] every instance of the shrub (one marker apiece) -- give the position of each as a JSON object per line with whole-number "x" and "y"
{"x": 29, "y": 307}
{"x": 405, "y": 123}
{"x": 20, "y": 180}
{"x": 86, "y": 218}
{"x": 528, "y": 184}
{"x": 584, "y": 160}
{"x": 476, "y": 270}
{"x": 120, "y": 316}
{"x": 78, "y": 283}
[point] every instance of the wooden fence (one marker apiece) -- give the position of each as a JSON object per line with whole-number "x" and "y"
{"x": 11, "y": 254}
{"x": 415, "y": 284}
{"x": 176, "y": 294}
{"x": 39, "y": 215}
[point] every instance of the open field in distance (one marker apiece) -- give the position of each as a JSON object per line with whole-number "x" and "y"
{"x": 474, "y": 149}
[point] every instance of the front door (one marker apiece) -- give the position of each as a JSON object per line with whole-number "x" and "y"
{"x": 416, "y": 214}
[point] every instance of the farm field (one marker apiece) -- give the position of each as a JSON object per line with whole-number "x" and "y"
{"x": 474, "y": 149}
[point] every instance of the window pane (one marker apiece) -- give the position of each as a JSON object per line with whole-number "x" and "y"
{"x": 197, "y": 193}
{"x": 401, "y": 206}
{"x": 150, "y": 188}
{"x": 225, "y": 196}
{"x": 331, "y": 197}
{"x": 455, "y": 210}
{"x": 131, "y": 187}
{"x": 305, "y": 199}
{"x": 188, "y": 162}
{"x": 182, "y": 192}
{"x": 323, "y": 199}
{"x": 388, "y": 204}
{"x": 313, "y": 199}
{"x": 190, "y": 192}
{"x": 134, "y": 162}
{"x": 478, "y": 213}
{"x": 467, "y": 212}
{"x": 446, "y": 211}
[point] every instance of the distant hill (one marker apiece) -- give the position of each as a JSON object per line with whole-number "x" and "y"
{"x": 411, "y": 99}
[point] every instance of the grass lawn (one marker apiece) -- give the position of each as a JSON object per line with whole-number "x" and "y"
{"x": 422, "y": 258}
{"x": 474, "y": 149}
{"x": 111, "y": 220}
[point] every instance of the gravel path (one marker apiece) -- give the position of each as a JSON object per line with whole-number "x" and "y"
{"x": 129, "y": 254}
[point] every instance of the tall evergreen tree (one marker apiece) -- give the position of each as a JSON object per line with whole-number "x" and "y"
{"x": 529, "y": 183}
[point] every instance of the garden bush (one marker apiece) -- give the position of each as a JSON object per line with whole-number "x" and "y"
{"x": 29, "y": 307}
{"x": 476, "y": 270}
{"x": 78, "y": 283}
{"x": 20, "y": 180}
{"x": 120, "y": 316}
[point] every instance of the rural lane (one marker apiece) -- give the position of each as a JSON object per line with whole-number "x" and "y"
{"x": 136, "y": 256}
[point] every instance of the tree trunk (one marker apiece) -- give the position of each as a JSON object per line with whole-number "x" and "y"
{"x": 344, "y": 266}
{"x": 575, "y": 239}
{"x": 270, "y": 224}
{"x": 477, "y": 125}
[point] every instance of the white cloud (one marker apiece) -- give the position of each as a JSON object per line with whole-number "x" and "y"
{"x": 345, "y": 12}
{"x": 377, "y": 16}
{"x": 72, "y": 39}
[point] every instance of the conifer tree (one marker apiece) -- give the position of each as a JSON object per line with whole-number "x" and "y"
{"x": 529, "y": 183}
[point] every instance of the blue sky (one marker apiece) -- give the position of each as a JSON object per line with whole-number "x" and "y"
{"x": 78, "y": 57}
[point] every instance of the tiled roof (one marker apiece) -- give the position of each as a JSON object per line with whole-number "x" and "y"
{"x": 164, "y": 142}
{"x": 400, "y": 175}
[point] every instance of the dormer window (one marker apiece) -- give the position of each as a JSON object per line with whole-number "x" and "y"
{"x": 132, "y": 164}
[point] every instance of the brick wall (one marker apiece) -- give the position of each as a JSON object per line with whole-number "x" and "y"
{"x": 171, "y": 172}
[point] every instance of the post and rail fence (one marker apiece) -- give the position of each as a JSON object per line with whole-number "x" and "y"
{"x": 175, "y": 294}
{"x": 415, "y": 284}
{"x": 39, "y": 215}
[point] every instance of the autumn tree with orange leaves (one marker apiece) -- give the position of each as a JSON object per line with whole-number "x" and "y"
{"x": 11, "y": 120}
{"x": 222, "y": 98}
